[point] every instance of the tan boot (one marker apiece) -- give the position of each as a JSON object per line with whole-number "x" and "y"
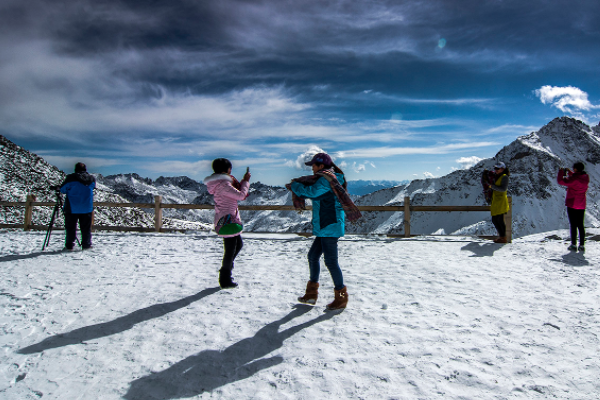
{"x": 501, "y": 239}
{"x": 311, "y": 295}
{"x": 340, "y": 301}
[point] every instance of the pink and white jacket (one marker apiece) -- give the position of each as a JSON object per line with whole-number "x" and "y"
{"x": 577, "y": 185}
{"x": 226, "y": 197}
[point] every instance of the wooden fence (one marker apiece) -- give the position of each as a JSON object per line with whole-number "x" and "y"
{"x": 158, "y": 206}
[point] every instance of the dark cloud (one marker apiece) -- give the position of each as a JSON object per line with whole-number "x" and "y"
{"x": 221, "y": 45}
{"x": 117, "y": 71}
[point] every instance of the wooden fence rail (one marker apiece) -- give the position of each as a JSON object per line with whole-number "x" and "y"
{"x": 158, "y": 206}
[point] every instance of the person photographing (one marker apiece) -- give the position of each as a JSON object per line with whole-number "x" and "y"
{"x": 577, "y": 182}
{"x": 227, "y": 191}
{"x": 500, "y": 206}
{"x": 79, "y": 206}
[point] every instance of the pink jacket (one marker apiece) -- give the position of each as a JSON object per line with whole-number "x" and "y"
{"x": 577, "y": 185}
{"x": 226, "y": 196}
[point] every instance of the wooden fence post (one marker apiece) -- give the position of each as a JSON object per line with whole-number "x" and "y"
{"x": 157, "y": 213}
{"x": 406, "y": 216}
{"x": 508, "y": 221}
{"x": 28, "y": 211}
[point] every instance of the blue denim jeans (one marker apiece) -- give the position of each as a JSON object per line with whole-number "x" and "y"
{"x": 328, "y": 247}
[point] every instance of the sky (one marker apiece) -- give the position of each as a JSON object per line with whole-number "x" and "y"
{"x": 393, "y": 90}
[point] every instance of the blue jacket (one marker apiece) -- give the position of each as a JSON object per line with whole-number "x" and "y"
{"x": 79, "y": 188}
{"x": 328, "y": 217}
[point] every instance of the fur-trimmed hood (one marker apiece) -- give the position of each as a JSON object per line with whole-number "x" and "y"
{"x": 213, "y": 181}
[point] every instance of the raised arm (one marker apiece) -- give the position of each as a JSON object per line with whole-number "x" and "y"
{"x": 503, "y": 187}
{"x": 320, "y": 187}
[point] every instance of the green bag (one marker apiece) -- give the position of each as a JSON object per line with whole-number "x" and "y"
{"x": 225, "y": 227}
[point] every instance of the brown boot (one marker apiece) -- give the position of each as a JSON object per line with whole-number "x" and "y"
{"x": 311, "y": 295}
{"x": 501, "y": 239}
{"x": 340, "y": 301}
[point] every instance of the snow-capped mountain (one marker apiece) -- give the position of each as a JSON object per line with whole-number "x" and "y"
{"x": 538, "y": 200}
{"x": 184, "y": 190}
{"x": 362, "y": 187}
{"x": 533, "y": 160}
{"x": 23, "y": 173}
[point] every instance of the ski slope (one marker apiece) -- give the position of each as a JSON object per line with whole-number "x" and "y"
{"x": 140, "y": 316}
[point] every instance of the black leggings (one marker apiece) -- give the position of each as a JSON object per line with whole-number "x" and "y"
{"x": 232, "y": 245}
{"x": 576, "y": 221}
{"x": 498, "y": 221}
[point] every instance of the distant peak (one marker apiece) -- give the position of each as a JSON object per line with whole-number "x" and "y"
{"x": 562, "y": 125}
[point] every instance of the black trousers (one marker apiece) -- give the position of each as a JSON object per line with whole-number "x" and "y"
{"x": 232, "y": 246}
{"x": 85, "y": 226}
{"x": 576, "y": 218}
{"x": 498, "y": 221}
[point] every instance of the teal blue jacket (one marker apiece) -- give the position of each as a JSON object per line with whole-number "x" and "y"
{"x": 328, "y": 217}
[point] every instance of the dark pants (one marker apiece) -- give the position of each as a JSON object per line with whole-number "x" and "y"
{"x": 328, "y": 247}
{"x": 576, "y": 218}
{"x": 85, "y": 225}
{"x": 498, "y": 221}
{"x": 232, "y": 246}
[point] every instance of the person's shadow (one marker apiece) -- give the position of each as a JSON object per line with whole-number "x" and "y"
{"x": 211, "y": 369}
{"x": 116, "y": 326}
{"x": 575, "y": 259}
{"x": 481, "y": 250}
{"x": 16, "y": 257}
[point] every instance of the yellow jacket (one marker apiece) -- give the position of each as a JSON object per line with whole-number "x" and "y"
{"x": 499, "y": 198}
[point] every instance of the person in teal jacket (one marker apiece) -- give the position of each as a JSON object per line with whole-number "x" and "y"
{"x": 328, "y": 221}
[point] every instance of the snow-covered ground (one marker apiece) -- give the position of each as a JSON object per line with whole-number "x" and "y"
{"x": 141, "y": 317}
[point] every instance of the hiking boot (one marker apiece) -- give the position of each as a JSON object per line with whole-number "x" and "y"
{"x": 581, "y": 248}
{"x": 572, "y": 247}
{"x": 501, "y": 239}
{"x": 68, "y": 249}
{"x": 228, "y": 285}
{"x": 226, "y": 280}
{"x": 311, "y": 295}
{"x": 340, "y": 301}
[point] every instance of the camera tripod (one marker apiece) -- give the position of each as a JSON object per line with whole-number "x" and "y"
{"x": 57, "y": 208}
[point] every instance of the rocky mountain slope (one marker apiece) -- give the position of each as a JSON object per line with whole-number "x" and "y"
{"x": 534, "y": 159}
{"x": 23, "y": 173}
{"x": 538, "y": 200}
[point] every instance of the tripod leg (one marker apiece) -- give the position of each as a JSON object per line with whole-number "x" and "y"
{"x": 49, "y": 231}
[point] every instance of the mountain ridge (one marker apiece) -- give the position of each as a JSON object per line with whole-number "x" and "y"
{"x": 533, "y": 159}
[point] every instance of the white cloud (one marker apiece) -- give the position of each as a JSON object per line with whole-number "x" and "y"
{"x": 468, "y": 162}
{"x": 428, "y": 175}
{"x": 568, "y": 99}
{"x": 67, "y": 163}
{"x": 379, "y": 152}
{"x": 299, "y": 162}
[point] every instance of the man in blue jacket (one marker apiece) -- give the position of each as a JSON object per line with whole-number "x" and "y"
{"x": 79, "y": 205}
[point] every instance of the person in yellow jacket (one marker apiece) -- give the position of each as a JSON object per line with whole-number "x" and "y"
{"x": 500, "y": 201}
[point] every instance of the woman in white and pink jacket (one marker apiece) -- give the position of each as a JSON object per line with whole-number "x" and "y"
{"x": 227, "y": 191}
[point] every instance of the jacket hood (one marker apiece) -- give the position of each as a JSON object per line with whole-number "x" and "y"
{"x": 82, "y": 177}
{"x": 214, "y": 180}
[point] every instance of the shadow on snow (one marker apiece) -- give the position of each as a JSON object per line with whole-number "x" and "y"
{"x": 117, "y": 326}
{"x": 481, "y": 249}
{"x": 211, "y": 369}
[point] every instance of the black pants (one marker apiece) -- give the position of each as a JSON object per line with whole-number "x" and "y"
{"x": 85, "y": 225}
{"x": 232, "y": 245}
{"x": 576, "y": 218}
{"x": 498, "y": 221}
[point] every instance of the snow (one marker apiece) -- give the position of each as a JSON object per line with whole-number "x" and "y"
{"x": 140, "y": 317}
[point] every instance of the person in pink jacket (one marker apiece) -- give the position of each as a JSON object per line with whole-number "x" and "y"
{"x": 577, "y": 182}
{"x": 227, "y": 191}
